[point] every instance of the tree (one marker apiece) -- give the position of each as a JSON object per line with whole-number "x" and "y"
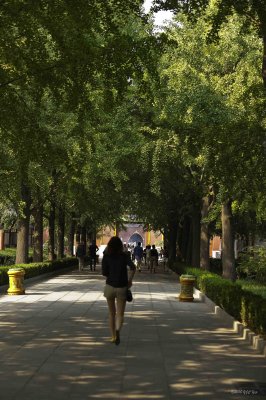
{"x": 253, "y": 11}
{"x": 63, "y": 65}
{"x": 217, "y": 122}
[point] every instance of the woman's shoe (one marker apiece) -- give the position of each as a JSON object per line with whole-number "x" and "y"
{"x": 117, "y": 338}
{"x": 113, "y": 339}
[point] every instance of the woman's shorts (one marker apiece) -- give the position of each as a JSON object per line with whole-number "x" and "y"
{"x": 111, "y": 292}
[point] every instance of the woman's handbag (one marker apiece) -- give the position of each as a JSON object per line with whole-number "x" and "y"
{"x": 129, "y": 295}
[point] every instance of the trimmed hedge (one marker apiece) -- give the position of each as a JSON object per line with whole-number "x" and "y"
{"x": 36, "y": 269}
{"x": 245, "y": 306}
{"x": 253, "y": 312}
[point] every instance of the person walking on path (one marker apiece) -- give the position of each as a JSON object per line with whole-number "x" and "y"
{"x": 114, "y": 268}
{"x": 148, "y": 256}
{"x": 138, "y": 254}
{"x": 80, "y": 254}
{"x": 93, "y": 248}
{"x": 154, "y": 258}
{"x": 165, "y": 258}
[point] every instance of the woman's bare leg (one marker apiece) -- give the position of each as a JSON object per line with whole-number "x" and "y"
{"x": 120, "y": 310}
{"x": 112, "y": 314}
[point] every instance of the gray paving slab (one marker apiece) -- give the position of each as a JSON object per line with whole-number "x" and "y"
{"x": 54, "y": 345}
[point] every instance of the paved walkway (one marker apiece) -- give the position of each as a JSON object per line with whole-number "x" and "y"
{"x": 54, "y": 345}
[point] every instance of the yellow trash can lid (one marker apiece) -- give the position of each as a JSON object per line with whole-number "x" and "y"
{"x": 16, "y": 269}
{"x": 190, "y": 277}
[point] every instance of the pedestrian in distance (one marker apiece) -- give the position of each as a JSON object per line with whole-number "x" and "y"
{"x": 148, "y": 256}
{"x": 115, "y": 265}
{"x": 144, "y": 255}
{"x": 138, "y": 254}
{"x": 165, "y": 258}
{"x": 154, "y": 258}
{"x": 126, "y": 250}
{"x": 93, "y": 248}
{"x": 80, "y": 254}
{"x": 132, "y": 252}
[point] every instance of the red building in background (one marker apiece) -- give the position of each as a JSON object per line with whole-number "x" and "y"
{"x": 132, "y": 233}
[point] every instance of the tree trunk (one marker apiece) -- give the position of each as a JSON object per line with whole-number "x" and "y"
{"x": 83, "y": 234}
{"x": 188, "y": 258}
{"x": 2, "y": 239}
{"x": 116, "y": 229}
{"x": 204, "y": 236}
{"x": 195, "y": 256}
{"x": 264, "y": 61}
{"x": 10, "y": 237}
{"x": 23, "y": 228}
{"x": 171, "y": 233}
{"x": 90, "y": 235}
{"x": 228, "y": 257}
{"x": 61, "y": 233}
{"x": 184, "y": 237}
{"x": 51, "y": 242}
{"x": 38, "y": 233}
{"x": 71, "y": 236}
{"x": 78, "y": 237}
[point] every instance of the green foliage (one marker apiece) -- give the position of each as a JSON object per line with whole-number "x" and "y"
{"x": 252, "y": 264}
{"x": 8, "y": 256}
{"x": 3, "y": 275}
{"x": 253, "y": 311}
{"x": 8, "y": 251}
{"x": 254, "y": 11}
{"x": 253, "y": 287}
{"x": 222, "y": 292}
{"x": 65, "y": 67}
{"x": 99, "y": 118}
{"x": 7, "y": 259}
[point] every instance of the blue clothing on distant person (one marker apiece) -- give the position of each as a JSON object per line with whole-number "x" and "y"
{"x": 138, "y": 252}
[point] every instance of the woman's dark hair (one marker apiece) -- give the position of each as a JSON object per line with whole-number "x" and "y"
{"x": 114, "y": 246}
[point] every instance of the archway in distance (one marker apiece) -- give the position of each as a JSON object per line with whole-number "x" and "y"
{"x": 135, "y": 238}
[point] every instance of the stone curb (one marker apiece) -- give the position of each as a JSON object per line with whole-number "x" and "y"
{"x": 257, "y": 342}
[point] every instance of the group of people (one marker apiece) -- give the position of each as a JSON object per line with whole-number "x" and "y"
{"x": 81, "y": 253}
{"x": 149, "y": 255}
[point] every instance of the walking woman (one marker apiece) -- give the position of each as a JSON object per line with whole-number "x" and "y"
{"x": 114, "y": 267}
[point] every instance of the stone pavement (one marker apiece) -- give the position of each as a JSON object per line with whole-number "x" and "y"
{"x": 54, "y": 345}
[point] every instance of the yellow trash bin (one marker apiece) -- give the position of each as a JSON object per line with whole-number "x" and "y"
{"x": 16, "y": 281}
{"x": 187, "y": 285}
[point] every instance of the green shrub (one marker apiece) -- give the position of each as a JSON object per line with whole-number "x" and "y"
{"x": 240, "y": 302}
{"x": 8, "y": 251}
{"x": 35, "y": 269}
{"x": 252, "y": 264}
{"x": 3, "y": 275}
{"x": 7, "y": 260}
{"x": 221, "y": 291}
{"x": 253, "y": 287}
{"x": 253, "y": 312}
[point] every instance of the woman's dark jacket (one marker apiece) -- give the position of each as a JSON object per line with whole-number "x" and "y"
{"x": 114, "y": 267}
